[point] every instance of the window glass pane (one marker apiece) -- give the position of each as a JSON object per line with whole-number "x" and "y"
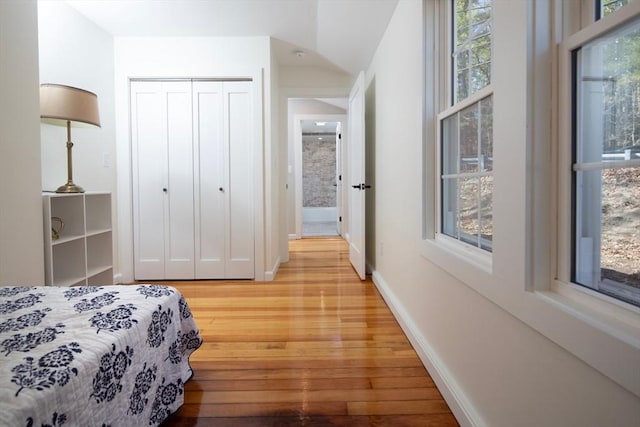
{"x": 450, "y": 207}
{"x": 608, "y": 6}
{"x": 607, "y": 150}
{"x": 462, "y": 83}
{"x": 609, "y": 95}
{"x": 479, "y": 77}
{"x": 486, "y": 212}
{"x": 463, "y": 60}
{"x": 469, "y": 139}
{"x": 620, "y": 249}
{"x": 469, "y": 219}
{"x": 486, "y": 134}
{"x": 450, "y": 149}
{"x": 471, "y": 47}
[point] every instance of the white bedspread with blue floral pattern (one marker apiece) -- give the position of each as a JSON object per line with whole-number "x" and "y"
{"x": 93, "y": 356}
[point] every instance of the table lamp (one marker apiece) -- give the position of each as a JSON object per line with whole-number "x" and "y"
{"x": 61, "y": 105}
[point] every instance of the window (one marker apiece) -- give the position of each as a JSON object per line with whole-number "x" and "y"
{"x": 606, "y": 165}
{"x": 466, "y": 129}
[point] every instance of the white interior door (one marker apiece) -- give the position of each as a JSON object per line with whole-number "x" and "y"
{"x": 210, "y": 166}
{"x": 179, "y": 224}
{"x": 239, "y": 237}
{"x": 149, "y": 158}
{"x": 356, "y": 142}
{"x": 162, "y": 180}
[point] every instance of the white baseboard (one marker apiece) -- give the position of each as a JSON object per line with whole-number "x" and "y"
{"x": 461, "y": 407}
{"x": 117, "y": 278}
{"x": 270, "y": 275}
{"x": 293, "y": 236}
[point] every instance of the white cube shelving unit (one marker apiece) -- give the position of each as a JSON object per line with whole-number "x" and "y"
{"x": 83, "y": 254}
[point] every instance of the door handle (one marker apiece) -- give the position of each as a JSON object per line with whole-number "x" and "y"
{"x": 362, "y": 186}
{"x": 221, "y": 190}
{"x": 164, "y": 190}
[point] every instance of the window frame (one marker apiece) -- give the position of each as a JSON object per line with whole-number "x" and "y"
{"x": 566, "y": 161}
{"x": 469, "y": 264}
{"x": 479, "y": 254}
{"x": 586, "y": 263}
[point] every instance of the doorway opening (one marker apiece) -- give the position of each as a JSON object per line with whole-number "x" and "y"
{"x": 320, "y": 178}
{"x": 317, "y": 200}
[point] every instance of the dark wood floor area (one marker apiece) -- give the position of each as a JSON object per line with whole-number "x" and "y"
{"x": 315, "y": 347}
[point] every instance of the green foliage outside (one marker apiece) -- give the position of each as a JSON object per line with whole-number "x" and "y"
{"x": 472, "y": 46}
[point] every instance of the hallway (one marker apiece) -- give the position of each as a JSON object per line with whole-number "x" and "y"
{"x": 315, "y": 347}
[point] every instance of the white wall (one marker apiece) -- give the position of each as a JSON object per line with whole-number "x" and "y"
{"x": 496, "y": 369}
{"x": 197, "y": 57}
{"x": 21, "y": 244}
{"x": 76, "y": 52}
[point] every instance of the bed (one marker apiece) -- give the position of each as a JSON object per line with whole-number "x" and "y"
{"x": 93, "y": 356}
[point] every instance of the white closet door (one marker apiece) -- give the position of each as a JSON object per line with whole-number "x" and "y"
{"x": 149, "y": 158}
{"x": 238, "y": 117}
{"x": 162, "y": 180}
{"x": 179, "y": 224}
{"x": 193, "y": 180}
{"x": 209, "y": 183}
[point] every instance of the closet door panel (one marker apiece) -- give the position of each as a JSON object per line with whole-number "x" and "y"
{"x": 149, "y": 157}
{"x": 240, "y": 233}
{"x": 179, "y": 224}
{"x": 210, "y": 183}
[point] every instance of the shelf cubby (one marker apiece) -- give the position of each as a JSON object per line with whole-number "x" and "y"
{"x": 98, "y": 208}
{"x": 82, "y": 254}
{"x": 68, "y": 263}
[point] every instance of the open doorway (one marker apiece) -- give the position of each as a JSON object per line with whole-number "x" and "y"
{"x": 315, "y": 111}
{"x": 317, "y": 200}
{"x": 320, "y": 178}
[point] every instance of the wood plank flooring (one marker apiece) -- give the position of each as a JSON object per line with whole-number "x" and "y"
{"x": 315, "y": 347}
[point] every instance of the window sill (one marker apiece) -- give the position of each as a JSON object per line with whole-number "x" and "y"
{"x": 608, "y": 314}
{"x": 466, "y": 263}
{"x": 602, "y": 333}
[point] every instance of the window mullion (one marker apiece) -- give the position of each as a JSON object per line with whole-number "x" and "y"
{"x": 458, "y": 200}
{"x": 479, "y": 179}
{"x": 609, "y": 164}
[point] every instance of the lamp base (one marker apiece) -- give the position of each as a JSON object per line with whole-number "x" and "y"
{"x": 70, "y": 188}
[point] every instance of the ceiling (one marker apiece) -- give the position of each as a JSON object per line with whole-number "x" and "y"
{"x": 340, "y": 34}
{"x": 318, "y": 128}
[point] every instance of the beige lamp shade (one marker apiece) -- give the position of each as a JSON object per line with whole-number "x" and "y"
{"x": 60, "y": 103}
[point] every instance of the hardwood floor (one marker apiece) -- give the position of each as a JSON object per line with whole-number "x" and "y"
{"x": 315, "y": 347}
